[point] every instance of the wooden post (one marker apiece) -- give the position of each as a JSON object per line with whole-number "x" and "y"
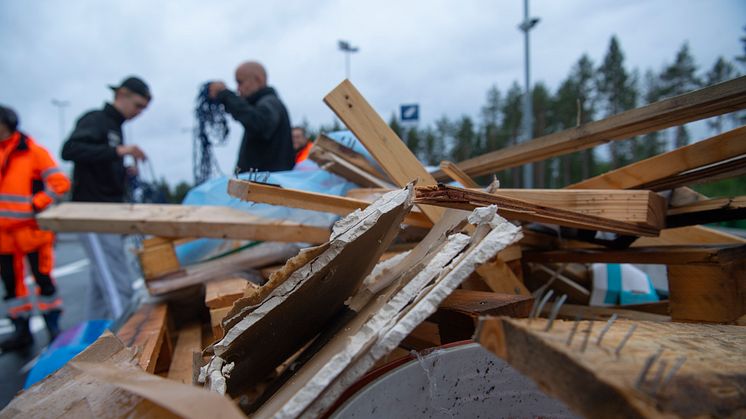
{"x": 709, "y": 292}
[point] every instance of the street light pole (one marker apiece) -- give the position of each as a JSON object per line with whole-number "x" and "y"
{"x": 526, "y": 26}
{"x": 61, "y": 105}
{"x": 348, "y": 50}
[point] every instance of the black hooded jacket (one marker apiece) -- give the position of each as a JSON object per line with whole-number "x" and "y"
{"x": 267, "y": 143}
{"x": 99, "y": 174}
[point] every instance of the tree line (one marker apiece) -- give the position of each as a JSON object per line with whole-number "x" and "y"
{"x": 591, "y": 91}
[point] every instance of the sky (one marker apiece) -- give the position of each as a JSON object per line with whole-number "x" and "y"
{"x": 443, "y": 55}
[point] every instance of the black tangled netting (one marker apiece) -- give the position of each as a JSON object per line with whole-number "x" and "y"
{"x": 211, "y": 129}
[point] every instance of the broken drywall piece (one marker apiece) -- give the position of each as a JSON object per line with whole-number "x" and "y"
{"x": 451, "y": 221}
{"x": 502, "y": 235}
{"x": 254, "y": 296}
{"x": 344, "y": 359}
{"x": 365, "y": 329}
{"x": 302, "y": 304}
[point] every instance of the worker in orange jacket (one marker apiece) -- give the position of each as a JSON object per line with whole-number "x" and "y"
{"x": 29, "y": 182}
{"x": 301, "y": 144}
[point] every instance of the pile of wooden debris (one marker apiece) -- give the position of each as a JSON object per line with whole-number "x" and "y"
{"x": 279, "y": 331}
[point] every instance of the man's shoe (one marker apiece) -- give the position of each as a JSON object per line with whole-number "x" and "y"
{"x": 21, "y": 338}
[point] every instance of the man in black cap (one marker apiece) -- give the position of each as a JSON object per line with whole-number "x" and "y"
{"x": 267, "y": 143}
{"x": 96, "y": 147}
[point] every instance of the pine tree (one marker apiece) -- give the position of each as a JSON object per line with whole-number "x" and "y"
{"x": 650, "y": 144}
{"x": 413, "y": 141}
{"x": 465, "y": 139}
{"x": 574, "y": 105}
{"x": 679, "y": 78}
{"x": 512, "y": 110}
{"x": 618, "y": 93}
{"x": 542, "y": 103}
{"x": 491, "y": 120}
{"x": 742, "y": 58}
{"x": 444, "y": 138}
{"x": 721, "y": 71}
{"x": 432, "y": 148}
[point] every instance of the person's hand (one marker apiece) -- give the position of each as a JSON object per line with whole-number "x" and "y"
{"x": 214, "y": 88}
{"x": 131, "y": 150}
{"x": 132, "y": 171}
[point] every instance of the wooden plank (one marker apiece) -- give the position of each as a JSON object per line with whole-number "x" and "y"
{"x": 147, "y": 329}
{"x": 586, "y": 312}
{"x": 425, "y": 336}
{"x": 175, "y": 221}
{"x": 634, "y": 206}
{"x": 714, "y": 100}
{"x": 718, "y": 148}
{"x": 294, "y": 198}
{"x": 335, "y": 164}
{"x": 709, "y": 205}
{"x": 660, "y": 255}
{"x": 515, "y": 209}
{"x": 349, "y": 155}
{"x": 557, "y": 278}
{"x": 384, "y": 145}
{"x": 188, "y": 342}
{"x": 262, "y": 254}
{"x": 458, "y": 314}
{"x": 158, "y": 260}
{"x": 707, "y": 211}
{"x": 454, "y": 172}
{"x": 499, "y": 278}
{"x": 224, "y": 292}
{"x": 691, "y": 235}
{"x": 699, "y": 373}
{"x": 714, "y": 292}
{"x": 718, "y": 171}
{"x": 217, "y": 315}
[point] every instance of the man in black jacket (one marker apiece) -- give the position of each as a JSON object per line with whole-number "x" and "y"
{"x": 96, "y": 147}
{"x": 267, "y": 143}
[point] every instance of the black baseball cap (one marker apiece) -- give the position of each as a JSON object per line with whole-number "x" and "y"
{"x": 134, "y": 84}
{"x": 9, "y": 118}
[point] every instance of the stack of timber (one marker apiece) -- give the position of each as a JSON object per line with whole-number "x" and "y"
{"x": 281, "y": 331}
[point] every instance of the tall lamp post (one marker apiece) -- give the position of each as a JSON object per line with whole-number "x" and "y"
{"x": 348, "y": 50}
{"x": 528, "y": 125}
{"x": 61, "y": 105}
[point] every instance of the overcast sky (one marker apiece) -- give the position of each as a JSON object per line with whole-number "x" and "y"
{"x": 443, "y": 55}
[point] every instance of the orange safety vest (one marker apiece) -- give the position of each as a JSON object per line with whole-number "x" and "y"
{"x": 302, "y": 154}
{"x": 29, "y": 182}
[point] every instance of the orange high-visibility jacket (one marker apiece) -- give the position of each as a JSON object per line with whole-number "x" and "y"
{"x": 29, "y": 182}
{"x": 302, "y": 154}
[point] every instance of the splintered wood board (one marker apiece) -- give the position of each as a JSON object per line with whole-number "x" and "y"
{"x": 511, "y": 208}
{"x": 598, "y": 383}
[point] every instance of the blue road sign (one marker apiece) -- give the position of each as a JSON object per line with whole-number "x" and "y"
{"x": 409, "y": 113}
